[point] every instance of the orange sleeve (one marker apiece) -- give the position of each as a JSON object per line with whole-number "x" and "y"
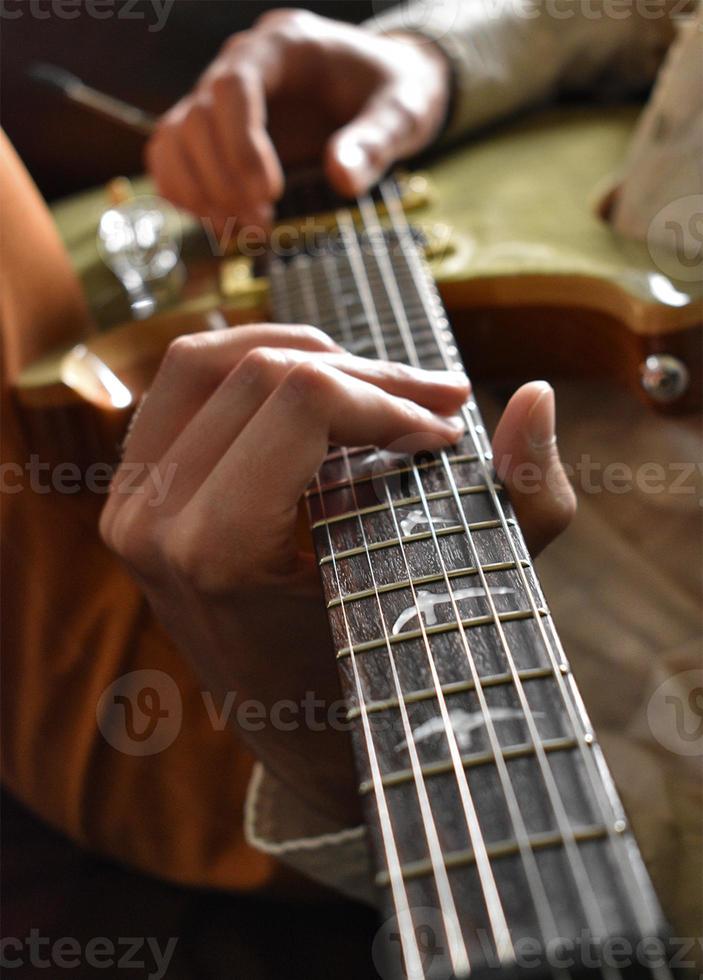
{"x": 73, "y": 623}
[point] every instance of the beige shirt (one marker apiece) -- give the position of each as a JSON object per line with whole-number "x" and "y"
{"x": 510, "y": 54}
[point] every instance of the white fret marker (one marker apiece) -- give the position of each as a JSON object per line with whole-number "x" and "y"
{"x": 417, "y": 518}
{"x": 464, "y": 724}
{"x": 426, "y": 601}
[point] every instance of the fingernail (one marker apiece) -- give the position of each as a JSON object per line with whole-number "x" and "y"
{"x": 457, "y": 424}
{"x": 541, "y": 419}
{"x": 457, "y": 379}
{"x": 352, "y": 157}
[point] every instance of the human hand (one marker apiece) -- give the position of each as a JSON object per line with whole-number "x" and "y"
{"x": 297, "y": 89}
{"x": 238, "y": 422}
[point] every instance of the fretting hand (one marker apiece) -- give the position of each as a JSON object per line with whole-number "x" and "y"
{"x": 237, "y": 423}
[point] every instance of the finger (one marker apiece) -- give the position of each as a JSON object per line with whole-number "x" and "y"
{"x": 390, "y": 127}
{"x": 187, "y": 165}
{"x": 443, "y": 392}
{"x": 239, "y": 117}
{"x": 190, "y": 372}
{"x": 269, "y": 466}
{"x": 527, "y": 461}
{"x": 207, "y": 437}
{"x": 199, "y": 145}
{"x": 172, "y": 169}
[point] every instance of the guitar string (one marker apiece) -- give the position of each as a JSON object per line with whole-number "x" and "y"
{"x": 587, "y": 896}
{"x": 548, "y": 930}
{"x": 335, "y": 290}
{"x": 542, "y": 905}
{"x": 457, "y": 948}
{"x": 543, "y": 908}
{"x": 605, "y": 783}
{"x": 496, "y": 914}
{"x": 384, "y": 352}
{"x": 608, "y": 803}
{"x": 408, "y": 938}
{"x": 583, "y": 884}
{"x": 399, "y": 219}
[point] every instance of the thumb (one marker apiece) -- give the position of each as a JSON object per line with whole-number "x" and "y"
{"x": 527, "y": 461}
{"x": 389, "y": 128}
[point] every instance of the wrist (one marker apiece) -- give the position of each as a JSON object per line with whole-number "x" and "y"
{"x": 439, "y": 67}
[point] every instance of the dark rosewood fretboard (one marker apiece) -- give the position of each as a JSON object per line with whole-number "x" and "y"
{"x": 492, "y": 816}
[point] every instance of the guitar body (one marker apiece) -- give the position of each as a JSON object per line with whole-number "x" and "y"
{"x": 539, "y": 282}
{"x": 492, "y": 817}
{"x": 535, "y": 282}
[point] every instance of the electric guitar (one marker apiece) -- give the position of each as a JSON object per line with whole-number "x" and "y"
{"x": 497, "y": 833}
{"x": 535, "y": 282}
{"x": 500, "y": 846}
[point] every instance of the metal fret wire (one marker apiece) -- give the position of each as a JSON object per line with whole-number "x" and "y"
{"x": 578, "y": 869}
{"x": 547, "y": 922}
{"x": 408, "y": 939}
{"x": 457, "y": 949}
{"x": 328, "y": 264}
{"x": 308, "y": 294}
{"x": 341, "y": 315}
{"x": 608, "y": 802}
{"x": 594, "y": 762}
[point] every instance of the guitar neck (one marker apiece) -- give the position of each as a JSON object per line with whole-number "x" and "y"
{"x": 493, "y": 820}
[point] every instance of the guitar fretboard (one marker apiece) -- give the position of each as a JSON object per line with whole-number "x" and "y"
{"x": 486, "y": 794}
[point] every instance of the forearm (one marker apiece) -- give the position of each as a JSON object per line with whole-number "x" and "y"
{"x": 509, "y": 54}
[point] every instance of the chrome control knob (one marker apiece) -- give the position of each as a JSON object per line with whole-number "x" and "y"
{"x": 664, "y": 377}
